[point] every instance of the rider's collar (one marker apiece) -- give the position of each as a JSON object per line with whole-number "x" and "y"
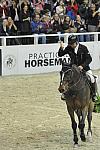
{"x": 76, "y": 49}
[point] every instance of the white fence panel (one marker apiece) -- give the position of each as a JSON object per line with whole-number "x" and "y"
{"x": 33, "y": 59}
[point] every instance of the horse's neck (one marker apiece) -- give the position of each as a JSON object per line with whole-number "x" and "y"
{"x": 78, "y": 81}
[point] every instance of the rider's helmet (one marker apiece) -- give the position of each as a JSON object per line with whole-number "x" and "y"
{"x": 72, "y": 39}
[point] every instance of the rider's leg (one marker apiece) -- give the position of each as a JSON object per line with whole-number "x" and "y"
{"x": 93, "y": 84}
{"x": 94, "y": 89}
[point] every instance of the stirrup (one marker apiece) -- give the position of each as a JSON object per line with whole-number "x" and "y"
{"x": 94, "y": 98}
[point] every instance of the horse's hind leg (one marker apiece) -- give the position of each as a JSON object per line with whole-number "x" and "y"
{"x": 89, "y": 118}
{"x": 74, "y": 124}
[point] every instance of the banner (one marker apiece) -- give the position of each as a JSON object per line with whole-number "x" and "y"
{"x": 31, "y": 59}
{"x": 43, "y": 58}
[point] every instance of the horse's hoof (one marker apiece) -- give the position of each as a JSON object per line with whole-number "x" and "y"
{"x": 89, "y": 133}
{"x": 83, "y": 138}
{"x": 89, "y": 137}
{"x": 76, "y": 145}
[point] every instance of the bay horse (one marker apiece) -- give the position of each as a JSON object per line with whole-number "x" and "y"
{"x": 76, "y": 92}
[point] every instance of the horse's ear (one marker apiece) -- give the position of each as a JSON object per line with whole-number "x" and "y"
{"x": 70, "y": 65}
{"x": 74, "y": 66}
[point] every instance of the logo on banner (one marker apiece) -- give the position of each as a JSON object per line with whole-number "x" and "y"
{"x": 45, "y": 59}
{"x": 10, "y": 61}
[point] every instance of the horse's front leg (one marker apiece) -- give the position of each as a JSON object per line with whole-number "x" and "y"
{"x": 74, "y": 124}
{"x": 82, "y": 124}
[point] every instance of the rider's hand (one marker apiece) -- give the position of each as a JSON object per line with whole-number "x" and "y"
{"x": 80, "y": 67}
{"x": 61, "y": 44}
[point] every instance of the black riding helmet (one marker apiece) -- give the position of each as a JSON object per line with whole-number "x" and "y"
{"x": 72, "y": 39}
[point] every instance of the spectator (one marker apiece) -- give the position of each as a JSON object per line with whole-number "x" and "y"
{"x": 25, "y": 3}
{"x": 48, "y": 4}
{"x": 39, "y": 4}
{"x": 15, "y": 14}
{"x": 92, "y": 18}
{"x": 82, "y": 11}
{"x": 47, "y": 14}
{"x": 67, "y": 25}
{"x": 72, "y": 9}
{"x": 60, "y": 9}
{"x": 25, "y": 24}
{"x": 37, "y": 25}
{"x": 47, "y": 24}
{"x": 25, "y": 21}
{"x": 81, "y": 28}
{"x": 56, "y": 27}
{"x": 56, "y": 3}
{"x": 55, "y": 23}
{"x": 12, "y": 30}
{"x": 38, "y": 28}
{"x": 48, "y": 29}
{"x": 4, "y": 28}
{"x": 28, "y": 4}
{"x": 37, "y": 11}
{"x": 4, "y": 9}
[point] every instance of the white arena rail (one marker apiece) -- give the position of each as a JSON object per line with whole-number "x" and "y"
{"x": 35, "y": 37}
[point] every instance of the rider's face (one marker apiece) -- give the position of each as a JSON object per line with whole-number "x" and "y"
{"x": 74, "y": 45}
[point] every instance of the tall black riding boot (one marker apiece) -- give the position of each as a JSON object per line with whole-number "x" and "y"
{"x": 93, "y": 92}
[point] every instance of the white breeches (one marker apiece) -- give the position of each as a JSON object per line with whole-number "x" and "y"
{"x": 90, "y": 74}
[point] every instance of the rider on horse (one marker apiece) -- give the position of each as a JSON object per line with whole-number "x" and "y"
{"x": 80, "y": 56}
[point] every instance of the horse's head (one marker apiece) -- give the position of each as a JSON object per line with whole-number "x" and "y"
{"x": 70, "y": 75}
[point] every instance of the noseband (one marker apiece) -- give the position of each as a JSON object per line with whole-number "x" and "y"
{"x": 69, "y": 81}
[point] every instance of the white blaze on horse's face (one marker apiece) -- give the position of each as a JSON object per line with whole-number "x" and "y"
{"x": 66, "y": 79}
{"x": 64, "y": 85}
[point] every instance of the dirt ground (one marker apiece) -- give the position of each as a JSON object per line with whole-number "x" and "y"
{"x": 32, "y": 116}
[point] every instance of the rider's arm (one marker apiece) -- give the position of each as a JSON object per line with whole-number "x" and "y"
{"x": 87, "y": 57}
{"x": 63, "y": 51}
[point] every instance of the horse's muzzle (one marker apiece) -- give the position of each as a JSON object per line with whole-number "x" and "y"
{"x": 61, "y": 89}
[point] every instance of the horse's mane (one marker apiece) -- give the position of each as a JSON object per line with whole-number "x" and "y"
{"x": 78, "y": 81}
{"x": 66, "y": 66}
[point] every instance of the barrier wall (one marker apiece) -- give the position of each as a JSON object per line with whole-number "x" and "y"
{"x": 34, "y": 59}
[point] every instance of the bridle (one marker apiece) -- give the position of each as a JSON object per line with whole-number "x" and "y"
{"x": 72, "y": 74}
{"x": 63, "y": 72}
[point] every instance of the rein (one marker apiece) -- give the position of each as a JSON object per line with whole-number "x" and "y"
{"x": 73, "y": 85}
{"x": 61, "y": 73}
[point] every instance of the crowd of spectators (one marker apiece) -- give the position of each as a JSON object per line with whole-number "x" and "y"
{"x": 27, "y": 17}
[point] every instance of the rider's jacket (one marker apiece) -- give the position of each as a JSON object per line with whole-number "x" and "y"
{"x": 82, "y": 57}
